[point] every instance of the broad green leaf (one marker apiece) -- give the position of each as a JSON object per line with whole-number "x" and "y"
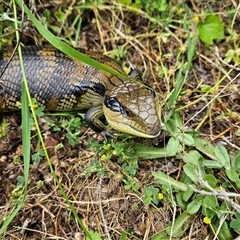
{"x": 194, "y": 206}
{"x": 209, "y": 212}
{"x": 190, "y": 171}
{"x": 180, "y": 202}
{"x": 61, "y": 17}
{"x": 55, "y": 29}
{"x": 211, "y": 180}
{"x": 206, "y": 88}
{"x": 186, "y": 139}
{"x": 224, "y": 233}
{"x": 211, "y": 164}
{"x": 144, "y": 152}
{"x": 193, "y": 157}
{"x": 172, "y": 127}
{"x": 209, "y": 201}
{"x": 187, "y": 194}
{"x": 123, "y": 235}
{"x": 237, "y": 162}
{"x": 178, "y": 120}
{"x": 185, "y": 179}
{"x": 39, "y": 111}
{"x": 3, "y": 127}
{"x": 164, "y": 179}
{"x": 232, "y": 175}
{"x": 161, "y": 235}
{"x": 237, "y": 215}
{"x": 227, "y": 235}
{"x": 211, "y": 29}
{"x": 229, "y": 55}
{"x": 238, "y": 184}
{"x": 179, "y": 226}
{"x": 222, "y": 156}
{"x": 94, "y": 235}
{"x": 172, "y": 146}
{"x": 235, "y": 223}
{"x": 205, "y": 147}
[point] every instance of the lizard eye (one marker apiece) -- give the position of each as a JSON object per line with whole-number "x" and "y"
{"x": 114, "y": 104}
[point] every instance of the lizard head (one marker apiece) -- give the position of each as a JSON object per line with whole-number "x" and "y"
{"x": 134, "y": 109}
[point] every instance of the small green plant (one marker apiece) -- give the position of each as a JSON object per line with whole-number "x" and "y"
{"x": 118, "y": 53}
{"x": 235, "y": 223}
{"x": 201, "y": 188}
{"x": 151, "y": 195}
{"x": 94, "y": 167}
{"x": 7, "y": 20}
{"x": 233, "y": 54}
{"x": 68, "y": 124}
{"x": 95, "y": 236}
{"x": 40, "y": 184}
{"x": 72, "y": 126}
{"x": 16, "y": 159}
{"x": 151, "y": 6}
{"x": 125, "y": 156}
{"x": 17, "y": 192}
{"x": 36, "y": 157}
{"x": 211, "y": 29}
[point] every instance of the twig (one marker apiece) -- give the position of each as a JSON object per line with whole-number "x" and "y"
{"x": 235, "y": 15}
{"x": 25, "y": 225}
{"x": 231, "y": 144}
{"x": 222, "y": 219}
{"x": 220, "y": 195}
{"x": 222, "y": 61}
{"x": 100, "y": 208}
{"x": 213, "y": 99}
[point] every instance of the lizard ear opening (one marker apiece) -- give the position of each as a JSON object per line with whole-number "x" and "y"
{"x": 151, "y": 91}
{"x": 135, "y": 74}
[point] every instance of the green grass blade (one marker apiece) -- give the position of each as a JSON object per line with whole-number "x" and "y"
{"x": 10, "y": 217}
{"x": 26, "y": 134}
{"x": 164, "y": 179}
{"x": 25, "y": 114}
{"x": 180, "y": 80}
{"x": 180, "y": 225}
{"x": 175, "y": 95}
{"x": 144, "y": 152}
